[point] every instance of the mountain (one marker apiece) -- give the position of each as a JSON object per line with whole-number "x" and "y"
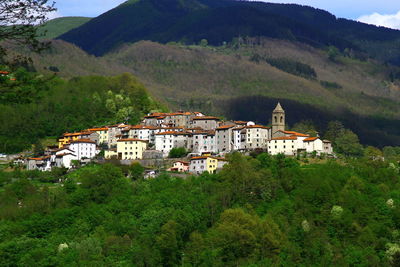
{"x": 56, "y": 27}
{"x": 232, "y": 83}
{"x": 220, "y": 21}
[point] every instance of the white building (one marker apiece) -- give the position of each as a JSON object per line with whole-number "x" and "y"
{"x": 256, "y": 136}
{"x": 205, "y": 122}
{"x": 312, "y": 144}
{"x": 113, "y": 132}
{"x": 165, "y": 141}
{"x": 64, "y": 160}
{"x": 224, "y": 138}
{"x": 203, "y": 141}
{"x": 180, "y": 166}
{"x": 208, "y": 164}
{"x": 84, "y": 148}
{"x": 287, "y": 145}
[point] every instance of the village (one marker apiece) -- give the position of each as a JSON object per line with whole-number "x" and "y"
{"x": 207, "y": 140}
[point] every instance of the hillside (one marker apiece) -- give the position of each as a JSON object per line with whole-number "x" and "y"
{"x": 264, "y": 211}
{"x": 228, "y": 82}
{"x": 59, "y": 26}
{"x": 221, "y": 21}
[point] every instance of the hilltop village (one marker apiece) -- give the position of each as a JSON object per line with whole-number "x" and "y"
{"x": 207, "y": 139}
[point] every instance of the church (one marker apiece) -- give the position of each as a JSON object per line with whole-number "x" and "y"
{"x": 292, "y": 143}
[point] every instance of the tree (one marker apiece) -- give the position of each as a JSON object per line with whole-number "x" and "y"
{"x": 177, "y": 152}
{"x": 38, "y": 149}
{"x": 136, "y": 171}
{"x": 305, "y": 126}
{"x": 333, "y": 53}
{"x": 372, "y": 153}
{"x": 18, "y": 20}
{"x": 348, "y": 144}
{"x": 234, "y": 236}
{"x": 203, "y": 42}
{"x": 334, "y": 130}
{"x": 167, "y": 243}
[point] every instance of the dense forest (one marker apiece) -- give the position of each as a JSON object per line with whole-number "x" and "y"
{"x": 258, "y": 211}
{"x": 36, "y": 106}
{"x": 223, "y": 21}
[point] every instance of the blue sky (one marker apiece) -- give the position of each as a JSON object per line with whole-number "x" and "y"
{"x": 384, "y": 12}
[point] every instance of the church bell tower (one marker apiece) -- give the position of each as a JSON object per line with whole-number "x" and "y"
{"x": 278, "y": 119}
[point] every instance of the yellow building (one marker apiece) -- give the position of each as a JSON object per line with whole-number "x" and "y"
{"x": 110, "y": 153}
{"x": 131, "y": 148}
{"x": 103, "y": 134}
{"x": 201, "y": 164}
{"x": 67, "y": 138}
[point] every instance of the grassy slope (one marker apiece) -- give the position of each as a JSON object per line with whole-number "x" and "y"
{"x": 177, "y": 73}
{"x": 224, "y": 81}
{"x": 72, "y": 61}
{"x": 58, "y": 26}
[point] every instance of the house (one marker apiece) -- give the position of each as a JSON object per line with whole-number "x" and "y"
{"x": 166, "y": 140}
{"x": 328, "y": 149}
{"x": 111, "y": 153}
{"x": 238, "y": 138}
{"x": 312, "y": 144}
{"x": 224, "y": 138}
{"x": 180, "y": 166}
{"x": 140, "y": 132}
{"x": 113, "y": 132}
{"x": 256, "y": 136}
{"x": 102, "y": 134}
{"x": 178, "y": 119}
{"x": 84, "y": 148}
{"x": 205, "y": 122}
{"x": 287, "y": 145}
{"x": 67, "y": 138}
{"x": 202, "y": 141}
{"x": 41, "y": 163}
{"x": 64, "y": 160}
{"x": 131, "y": 148}
{"x": 209, "y": 164}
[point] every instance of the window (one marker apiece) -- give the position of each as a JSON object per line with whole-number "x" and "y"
{"x": 276, "y": 119}
{"x": 281, "y": 119}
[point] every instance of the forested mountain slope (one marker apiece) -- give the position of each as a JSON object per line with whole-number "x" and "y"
{"x": 246, "y": 82}
{"x": 220, "y": 21}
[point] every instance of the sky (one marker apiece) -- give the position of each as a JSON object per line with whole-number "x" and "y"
{"x": 383, "y": 13}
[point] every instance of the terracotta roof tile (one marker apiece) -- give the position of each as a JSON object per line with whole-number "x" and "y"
{"x": 293, "y": 137}
{"x": 131, "y": 139}
{"x": 310, "y": 139}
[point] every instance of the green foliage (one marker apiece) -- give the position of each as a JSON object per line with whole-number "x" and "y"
{"x": 58, "y": 26}
{"x": 333, "y": 53}
{"x": 306, "y": 126}
{"x": 136, "y": 171}
{"x": 330, "y": 85}
{"x": 348, "y": 144}
{"x": 37, "y": 107}
{"x": 263, "y": 211}
{"x": 191, "y": 21}
{"x": 293, "y": 67}
{"x": 177, "y": 152}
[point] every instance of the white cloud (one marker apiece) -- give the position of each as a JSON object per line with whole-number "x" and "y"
{"x": 53, "y": 15}
{"x": 386, "y": 20}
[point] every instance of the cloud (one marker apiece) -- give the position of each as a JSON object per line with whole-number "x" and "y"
{"x": 53, "y": 15}
{"x": 386, "y": 20}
